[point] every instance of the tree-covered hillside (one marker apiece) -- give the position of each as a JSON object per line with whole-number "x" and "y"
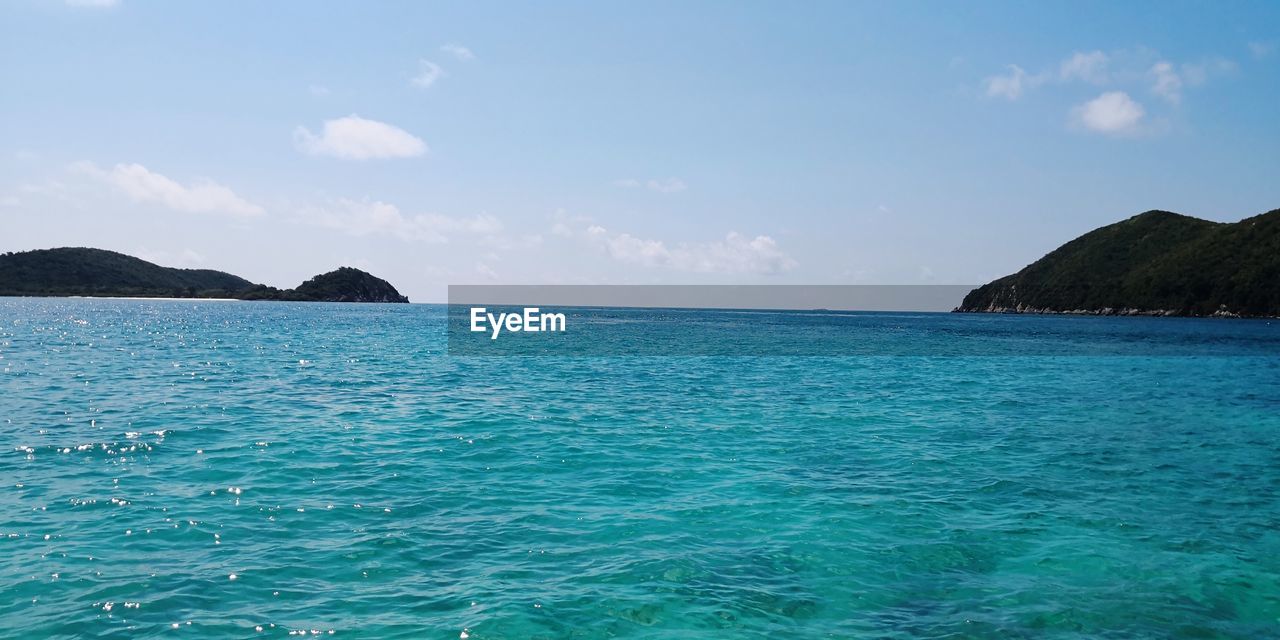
{"x": 1153, "y": 263}
{"x": 83, "y": 271}
{"x": 343, "y": 285}
{"x": 349, "y": 285}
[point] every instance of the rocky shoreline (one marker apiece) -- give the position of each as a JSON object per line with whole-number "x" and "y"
{"x": 1109, "y": 311}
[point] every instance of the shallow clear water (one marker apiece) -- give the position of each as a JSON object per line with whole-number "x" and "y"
{"x": 353, "y": 478}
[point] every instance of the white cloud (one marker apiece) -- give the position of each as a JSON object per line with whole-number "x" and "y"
{"x": 736, "y": 254}
{"x": 356, "y": 138}
{"x": 143, "y": 185}
{"x": 1113, "y": 112}
{"x": 660, "y": 185}
{"x": 1089, "y": 67}
{"x": 1011, "y": 85}
{"x": 428, "y": 73}
{"x": 1165, "y": 82}
{"x": 318, "y": 90}
{"x": 459, "y": 52}
{"x": 1124, "y": 68}
{"x": 374, "y": 217}
{"x": 96, "y": 4}
{"x": 1261, "y": 49}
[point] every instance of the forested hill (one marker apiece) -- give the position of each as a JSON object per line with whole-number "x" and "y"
{"x": 1155, "y": 263}
{"x": 80, "y": 271}
{"x": 96, "y": 272}
{"x": 343, "y": 285}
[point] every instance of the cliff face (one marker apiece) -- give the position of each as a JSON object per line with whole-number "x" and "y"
{"x": 83, "y": 271}
{"x": 1155, "y": 263}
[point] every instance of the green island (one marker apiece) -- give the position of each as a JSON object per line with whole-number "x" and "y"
{"x": 81, "y": 271}
{"x": 1156, "y": 263}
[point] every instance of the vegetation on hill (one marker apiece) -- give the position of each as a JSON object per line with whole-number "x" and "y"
{"x": 1155, "y": 263}
{"x": 79, "y": 271}
{"x": 349, "y": 285}
{"x": 343, "y": 285}
{"x": 96, "y": 272}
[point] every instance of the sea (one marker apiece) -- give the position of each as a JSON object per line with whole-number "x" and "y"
{"x": 218, "y": 469}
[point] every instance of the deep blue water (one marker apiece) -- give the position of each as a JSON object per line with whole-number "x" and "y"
{"x": 353, "y": 477}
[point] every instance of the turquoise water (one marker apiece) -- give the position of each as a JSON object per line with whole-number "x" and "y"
{"x": 355, "y": 479}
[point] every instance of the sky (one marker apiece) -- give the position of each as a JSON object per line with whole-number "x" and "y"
{"x": 619, "y": 143}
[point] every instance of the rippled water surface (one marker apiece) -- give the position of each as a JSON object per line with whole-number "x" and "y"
{"x": 222, "y": 469}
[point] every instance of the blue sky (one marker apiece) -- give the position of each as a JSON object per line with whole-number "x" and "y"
{"x": 645, "y": 142}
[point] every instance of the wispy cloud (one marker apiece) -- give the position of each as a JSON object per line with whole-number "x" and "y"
{"x": 1081, "y": 66}
{"x": 375, "y": 217}
{"x": 660, "y": 185}
{"x": 563, "y": 224}
{"x": 1113, "y": 113}
{"x": 428, "y": 73}
{"x": 666, "y": 185}
{"x": 318, "y": 90}
{"x": 1121, "y": 68}
{"x": 94, "y": 4}
{"x": 1166, "y": 82}
{"x": 1010, "y": 85}
{"x": 458, "y": 52}
{"x": 143, "y": 185}
{"x": 736, "y": 254}
{"x": 355, "y": 138}
{"x": 1261, "y": 49}
{"x": 486, "y": 271}
{"x": 1198, "y": 73}
{"x": 1088, "y": 66}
